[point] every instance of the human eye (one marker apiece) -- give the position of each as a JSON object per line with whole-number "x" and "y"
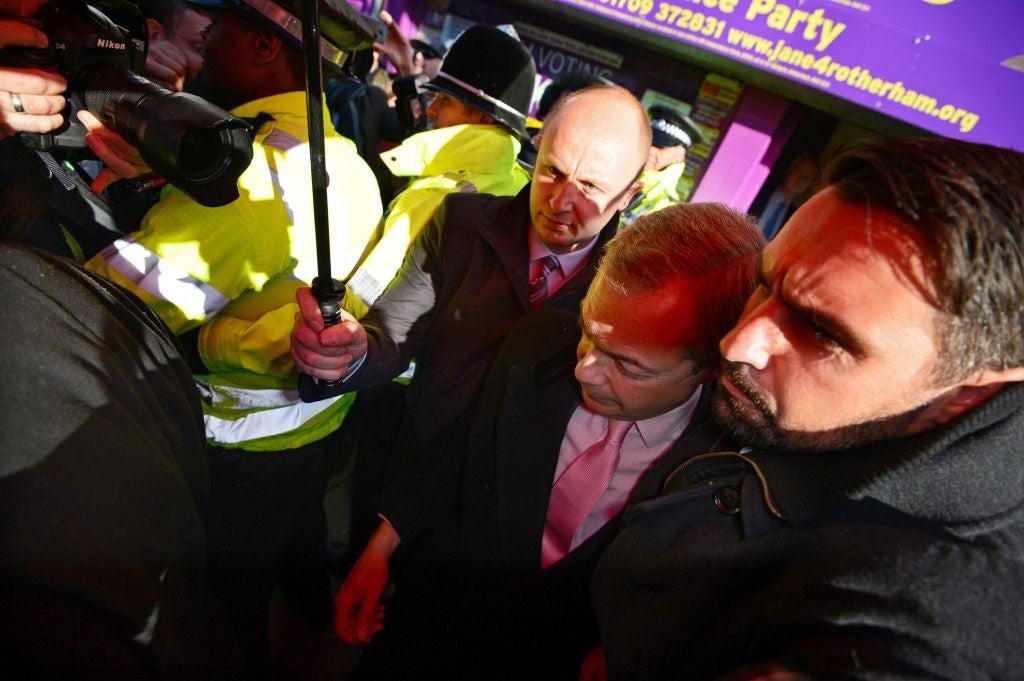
{"x": 824, "y": 337}
{"x": 829, "y": 338}
{"x": 628, "y": 372}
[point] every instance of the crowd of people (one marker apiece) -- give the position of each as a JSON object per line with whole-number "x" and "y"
{"x": 639, "y": 440}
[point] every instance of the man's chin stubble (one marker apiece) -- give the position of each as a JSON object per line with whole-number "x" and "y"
{"x": 740, "y": 422}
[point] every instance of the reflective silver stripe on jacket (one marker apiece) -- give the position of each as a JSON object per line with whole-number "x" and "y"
{"x": 163, "y": 279}
{"x": 274, "y": 412}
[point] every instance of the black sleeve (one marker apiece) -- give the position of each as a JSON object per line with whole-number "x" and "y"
{"x": 399, "y": 320}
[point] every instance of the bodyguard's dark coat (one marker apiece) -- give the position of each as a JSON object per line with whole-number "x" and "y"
{"x": 901, "y": 559}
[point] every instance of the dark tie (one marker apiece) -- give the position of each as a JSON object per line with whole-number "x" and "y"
{"x": 578, "y": 489}
{"x": 539, "y": 284}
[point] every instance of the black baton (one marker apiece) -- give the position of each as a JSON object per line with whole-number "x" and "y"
{"x": 328, "y": 291}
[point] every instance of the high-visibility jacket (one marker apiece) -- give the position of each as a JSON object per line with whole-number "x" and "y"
{"x": 459, "y": 158}
{"x": 660, "y": 189}
{"x": 463, "y": 158}
{"x": 223, "y": 267}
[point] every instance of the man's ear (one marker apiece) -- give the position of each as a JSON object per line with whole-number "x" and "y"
{"x": 968, "y": 394}
{"x": 266, "y": 46}
{"x": 628, "y": 195}
{"x": 155, "y": 30}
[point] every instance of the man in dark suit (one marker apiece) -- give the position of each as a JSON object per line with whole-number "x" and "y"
{"x": 775, "y": 206}
{"x": 480, "y": 264}
{"x": 498, "y": 587}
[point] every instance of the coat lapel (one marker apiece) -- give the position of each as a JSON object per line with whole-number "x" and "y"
{"x": 702, "y": 435}
{"x": 534, "y": 423}
{"x": 506, "y": 230}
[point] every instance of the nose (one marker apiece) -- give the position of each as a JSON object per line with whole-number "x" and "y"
{"x": 587, "y": 369}
{"x": 564, "y": 197}
{"x": 754, "y": 340}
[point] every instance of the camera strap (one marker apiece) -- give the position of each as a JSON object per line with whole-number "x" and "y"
{"x": 257, "y": 122}
{"x": 56, "y": 170}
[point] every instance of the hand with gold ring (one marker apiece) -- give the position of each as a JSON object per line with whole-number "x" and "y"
{"x": 31, "y": 100}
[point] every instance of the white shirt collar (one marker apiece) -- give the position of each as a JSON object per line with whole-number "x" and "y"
{"x": 569, "y": 262}
{"x": 669, "y": 426}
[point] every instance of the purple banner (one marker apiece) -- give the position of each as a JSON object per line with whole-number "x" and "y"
{"x": 367, "y": 7}
{"x": 953, "y": 67}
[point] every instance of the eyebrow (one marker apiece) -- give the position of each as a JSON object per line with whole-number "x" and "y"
{"x": 600, "y": 183}
{"x": 818, "y": 318}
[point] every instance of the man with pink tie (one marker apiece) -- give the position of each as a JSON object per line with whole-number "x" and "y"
{"x": 566, "y": 431}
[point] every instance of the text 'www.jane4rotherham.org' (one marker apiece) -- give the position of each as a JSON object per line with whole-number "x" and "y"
{"x": 801, "y": 54}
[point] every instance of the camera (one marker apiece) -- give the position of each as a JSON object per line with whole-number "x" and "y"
{"x": 409, "y": 89}
{"x": 98, "y": 47}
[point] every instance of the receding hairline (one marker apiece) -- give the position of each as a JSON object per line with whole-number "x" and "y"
{"x": 605, "y": 95}
{"x": 621, "y": 104}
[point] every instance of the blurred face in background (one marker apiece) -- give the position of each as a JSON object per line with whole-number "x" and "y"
{"x": 445, "y": 111}
{"x": 229, "y": 55}
{"x": 189, "y": 34}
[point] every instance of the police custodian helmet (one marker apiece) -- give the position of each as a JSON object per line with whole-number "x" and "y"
{"x": 670, "y": 128}
{"x": 342, "y": 28}
{"x": 489, "y": 70}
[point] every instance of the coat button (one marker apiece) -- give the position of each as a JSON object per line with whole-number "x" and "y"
{"x": 489, "y": 486}
{"x": 727, "y": 500}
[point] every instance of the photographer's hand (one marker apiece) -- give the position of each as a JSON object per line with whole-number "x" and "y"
{"x": 397, "y": 48}
{"x": 30, "y": 100}
{"x": 170, "y": 66}
{"x": 122, "y": 160}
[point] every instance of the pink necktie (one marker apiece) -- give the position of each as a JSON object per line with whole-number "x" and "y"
{"x": 539, "y": 284}
{"x": 578, "y": 489}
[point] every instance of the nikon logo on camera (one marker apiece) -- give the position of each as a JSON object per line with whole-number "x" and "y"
{"x": 111, "y": 44}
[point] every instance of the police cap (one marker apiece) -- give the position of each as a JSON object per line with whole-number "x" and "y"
{"x": 342, "y": 28}
{"x": 669, "y": 128}
{"x": 489, "y": 70}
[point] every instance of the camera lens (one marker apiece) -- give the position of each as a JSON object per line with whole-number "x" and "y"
{"x": 196, "y": 146}
{"x": 201, "y": 156}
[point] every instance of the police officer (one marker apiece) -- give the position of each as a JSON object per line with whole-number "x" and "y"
{"x": 194, "y": 265}
{"x": 672, "y": 133}
{"x": 478, "y": 121}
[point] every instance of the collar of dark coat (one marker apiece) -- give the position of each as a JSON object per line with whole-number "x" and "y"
{"x": 505, "y": 226}
{"x": 967, "y": 475}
